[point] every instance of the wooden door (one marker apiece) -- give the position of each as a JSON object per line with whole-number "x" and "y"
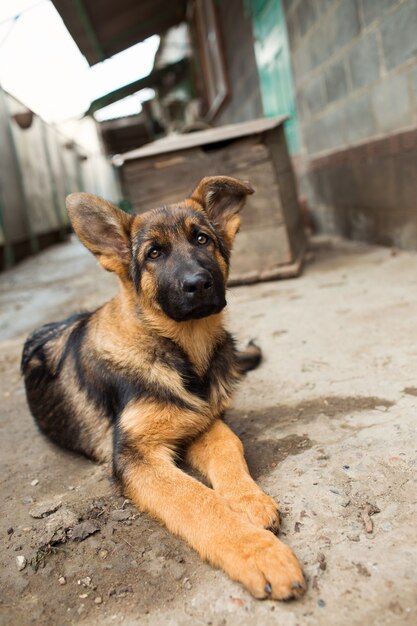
{"x": 274, "y": 65}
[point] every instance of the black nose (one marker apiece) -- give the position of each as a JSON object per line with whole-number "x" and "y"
{"x": 197, "y": 283}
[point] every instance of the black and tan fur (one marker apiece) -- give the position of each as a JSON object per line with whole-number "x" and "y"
{"x": 151, "y": 373}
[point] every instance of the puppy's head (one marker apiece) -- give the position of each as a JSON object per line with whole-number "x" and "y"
{"x": 174, "y": 258}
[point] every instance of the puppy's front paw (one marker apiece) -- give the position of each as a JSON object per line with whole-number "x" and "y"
{"x": 266, "y": 567}
{"x": 259, "y": 509}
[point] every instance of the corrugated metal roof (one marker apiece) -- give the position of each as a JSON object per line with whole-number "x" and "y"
{"x": 102, "y": 29}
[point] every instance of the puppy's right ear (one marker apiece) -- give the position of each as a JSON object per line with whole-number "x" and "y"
{"x": 103, "y": 228}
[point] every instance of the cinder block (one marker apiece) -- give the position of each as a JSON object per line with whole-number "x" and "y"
{"x": 360, "y": 121}
{"x": 313, "y": 137}
{"x": 302, "y": 108}
{"x": 292, "y": 31}
{"x": 328, "y": 132}
{"x": 306, "y": 14}
{"x": 334, "y": 128}
{"x": 313, "y": 94}
{"x": 372, "y": 9}
{"x": 345, "y": 23}
{"x": 320, "y": 46}
{"x": 413, "y": 77}
{"x": 301, "y": 61}
{"x": 399, "y": 35}
{"x": 324, "y": 5}
{"x": 364, "y": 61}
{"x": 391, "y": 101}
{"x": 335, "y": 79}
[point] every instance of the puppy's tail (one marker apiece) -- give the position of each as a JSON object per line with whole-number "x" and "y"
{"x": 249, "y": 358}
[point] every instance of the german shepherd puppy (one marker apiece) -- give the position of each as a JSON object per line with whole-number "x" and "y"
{"x": 150, "y": 374}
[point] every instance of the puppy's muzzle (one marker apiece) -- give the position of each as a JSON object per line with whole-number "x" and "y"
{"x": 198, "y": 285}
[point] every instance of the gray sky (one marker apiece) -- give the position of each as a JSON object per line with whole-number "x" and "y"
{"x": 41, "y": 65}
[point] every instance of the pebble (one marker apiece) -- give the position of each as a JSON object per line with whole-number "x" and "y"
{"x": 177, "y": 570}
{"x": 34, "y": 482}
{"x": 186, "y": 583}
{"x": 10, "y": 531}
{"x": 103, "y": 554}
{"x": 56, "y": 526}
{"x": 322, "y": 561}
{"x": 321, "y": 603}
{"x": 120, "y": 590}
{"x": 62, "y": 580}
{"x": 21, "y": 562}
{"x": 362, "y": 570}
{"x": 119, "y": 515}
{"x": 45, "y": 508}
{"x": 83, "y": 530}
{"x": 98, "y": 600}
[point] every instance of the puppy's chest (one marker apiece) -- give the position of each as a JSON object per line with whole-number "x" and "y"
{"x": 216, "y": 386}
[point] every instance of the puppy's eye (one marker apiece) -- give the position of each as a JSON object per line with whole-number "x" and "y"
{"x": 154, "y": 253}
{"x": 202, "y": 239}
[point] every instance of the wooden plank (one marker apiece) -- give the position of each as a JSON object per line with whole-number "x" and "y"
{"x": 290, "y": 270}
{"x": 230, "y": 159}
{"x": 182, "y": 176}
{"x": 275, "y": 141}
{"x": 260, "y": 249}
{"x": 174, "y": 143}
{"x": 263, "y": 208}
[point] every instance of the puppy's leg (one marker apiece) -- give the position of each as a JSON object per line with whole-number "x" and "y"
{"x": 252, "y": 556}
{"x": 218, "y": 454}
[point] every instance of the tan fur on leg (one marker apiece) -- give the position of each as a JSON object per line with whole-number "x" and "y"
{"x": 218, "y": 454}
{"x": 252, "y": 556}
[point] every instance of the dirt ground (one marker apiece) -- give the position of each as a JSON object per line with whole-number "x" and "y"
{"x": 328, "y": 423}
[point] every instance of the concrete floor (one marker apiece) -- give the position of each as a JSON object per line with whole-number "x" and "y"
{"x": 329, "y": 424}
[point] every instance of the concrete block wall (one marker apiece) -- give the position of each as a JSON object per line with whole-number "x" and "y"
{"x": 355, "y": 72}
{"x": 355, "y": 69}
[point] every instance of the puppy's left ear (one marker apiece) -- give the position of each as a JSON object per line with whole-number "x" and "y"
{"x": 223, "y": 197}
{"x": 103, "y": 228}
